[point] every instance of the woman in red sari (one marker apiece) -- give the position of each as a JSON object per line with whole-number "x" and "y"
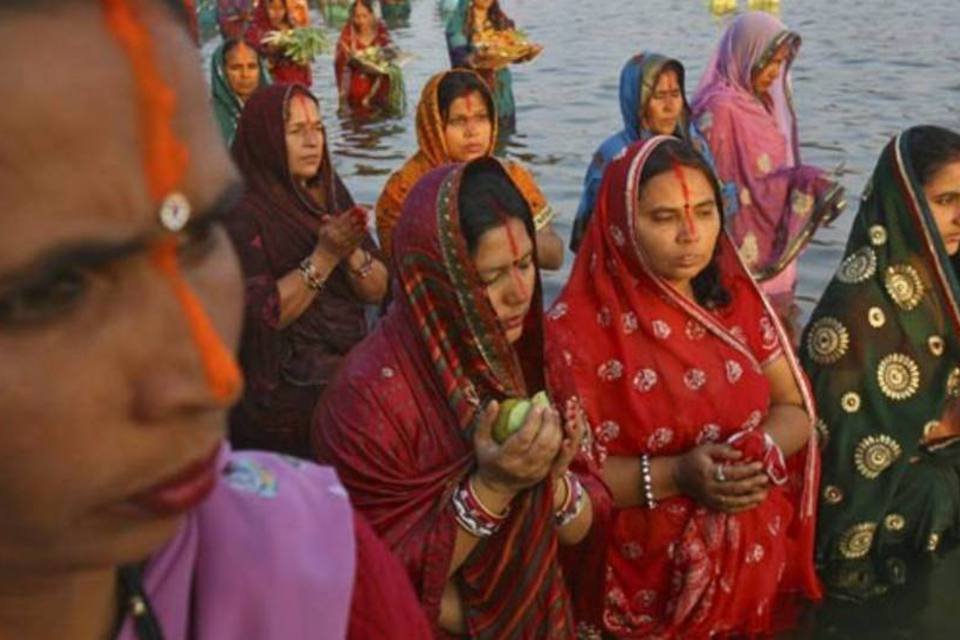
{"x": 272, "y": 15}
{"x": 701, "y": 418}
{"x": 407, "y": 422}
{"x": 361, "y": 90}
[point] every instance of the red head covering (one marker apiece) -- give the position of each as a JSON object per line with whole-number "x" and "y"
{"x": 659, "y": 374}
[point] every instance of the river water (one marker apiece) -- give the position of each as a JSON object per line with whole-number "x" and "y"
{"x": 867, "y": 69}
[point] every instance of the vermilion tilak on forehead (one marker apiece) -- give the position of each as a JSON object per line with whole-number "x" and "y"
{"x": 165, "y": 160}
{"x": 687, "y": 206}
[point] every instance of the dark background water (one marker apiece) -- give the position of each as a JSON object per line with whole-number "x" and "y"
{"x": 867, "y": 69}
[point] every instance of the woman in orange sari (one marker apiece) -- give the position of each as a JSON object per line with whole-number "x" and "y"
{"x": 700, "y": 413}
{"x": 457, "y": 122}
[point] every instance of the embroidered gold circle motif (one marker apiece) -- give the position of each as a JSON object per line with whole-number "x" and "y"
{"x": 933, "y": 542}
{"x": 858, "y": 266}
{"x": 894, "y": 522}
{"x": 898, "y": 376}
{"x": 936, "y": 345}
{"x": 904, "y": 286}
{"x": 878, "y": 235}
{"x": 850, "y": 402}
{"x": 823, "y": 433}
{"x": 832, "y": 494}
{"x": 857, "y": 540}
{"x": 953, "y": 383}
{"x": 929, "y": 428}
{"x": 876, "y": 317}
{"x": 827, "y": 341}
{"x": 874, "y": 454}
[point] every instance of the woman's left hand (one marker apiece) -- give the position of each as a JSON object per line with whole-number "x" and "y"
{"x": 574, "y": 429}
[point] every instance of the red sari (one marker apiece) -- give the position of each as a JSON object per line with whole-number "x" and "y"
{"x": 397, "y": 425}
{"x": 660, "y": 375}
{"x": 358, "y": 89}
{"x": 283, "y": 70}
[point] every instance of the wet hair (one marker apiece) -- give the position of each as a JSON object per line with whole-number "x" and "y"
{"x": 931, "y": 148}
{"x": 708, "y": 289}
{"x": 457, "y": 84}
{"x": 487, "y": 199}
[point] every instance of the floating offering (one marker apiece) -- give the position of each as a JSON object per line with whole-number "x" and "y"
{"x": 379, "y": 60}
{"x": 513, "y": 414}
{"x": 302, "y": 45}
{"x": 497, "y": 49}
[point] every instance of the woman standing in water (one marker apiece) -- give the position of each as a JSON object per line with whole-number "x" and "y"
{"x": 457, "y": 122}
{"x": 237, "y": 71}
{"x": 744, "y": 107}
{"x": 472, "y": 20}
{"x": 362, "y": 90}
{"x": 309, "y": 263}
{"x": 881, "y": 350}
{"x": 701, "y": 416}
{"x": 653, "y": 101}
{"x": 272, "y": 15}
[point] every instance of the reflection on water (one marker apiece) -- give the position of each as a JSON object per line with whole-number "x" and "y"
{"x": 866, "y": 70}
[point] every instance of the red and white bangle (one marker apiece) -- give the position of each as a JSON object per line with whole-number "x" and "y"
{"x": 472, "y": 515}
{"x": 573, "y": 504}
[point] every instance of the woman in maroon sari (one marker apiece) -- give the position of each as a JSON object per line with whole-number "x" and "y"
{"x": 701, "y": 416}
{"x": 408, "y": 421}
{"x": 310, "y": 268}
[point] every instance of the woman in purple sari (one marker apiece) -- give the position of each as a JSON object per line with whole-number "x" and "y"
{"x": 744, "y": 107}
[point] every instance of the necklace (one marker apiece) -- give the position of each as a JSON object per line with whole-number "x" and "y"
{"x": 132, "y": 601}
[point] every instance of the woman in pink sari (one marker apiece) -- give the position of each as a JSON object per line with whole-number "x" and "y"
{"x": 700, "y": 414}
{"x": 744, "y": 108}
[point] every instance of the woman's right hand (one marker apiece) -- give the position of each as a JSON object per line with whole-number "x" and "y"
{"x": 743, "y": 487}
{"x": 525, "y": 458}
{"x": 340, "y": 235}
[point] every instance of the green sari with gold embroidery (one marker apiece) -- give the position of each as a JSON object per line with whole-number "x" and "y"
{"x": 882, "y": 354}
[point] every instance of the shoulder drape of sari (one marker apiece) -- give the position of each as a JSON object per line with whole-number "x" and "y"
{"x": 270, "y": 554}
{"x": 273, "y": 228}
{"x": 881, "y": 351}
{"x": 398, "y": 421}
{"x": 432, "y": 153}
{"x": 226, "y": 106}
{"x": 354, "y": 84}
{"x": 638, "y": 80}
{"x": 661, "y": 375}
{"x": 755, "y": 146}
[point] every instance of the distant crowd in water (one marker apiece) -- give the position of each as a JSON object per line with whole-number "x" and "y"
{"x": 239, "y": 405}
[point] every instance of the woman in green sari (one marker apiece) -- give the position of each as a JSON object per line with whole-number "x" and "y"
{"x": 237, "y": 71}
{"x": 882, "y": 351}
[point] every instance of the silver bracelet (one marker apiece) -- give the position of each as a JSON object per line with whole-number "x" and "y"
{"x": 647, "y": 480}
{"x": 310, "y": 274}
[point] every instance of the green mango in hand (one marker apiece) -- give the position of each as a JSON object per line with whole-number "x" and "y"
{"x": 513, "y": 414}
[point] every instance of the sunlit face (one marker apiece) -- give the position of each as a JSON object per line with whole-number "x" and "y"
{"x": 943, "y": 196}
{"x": 504, "y": 261}
{"x": 764, "y": 78}
{"x": 243, "y": 71}
{"x": 665, "y": 105}
{"x": 363, "y": 18}
{"x": 468, "y": 128}
{"x": 678, "y": 224}
{"x": 102, "y": 395}
{"x": 277, "y": 12}
{"x": 304, "y": 136}
{"x": 299, "y": 12}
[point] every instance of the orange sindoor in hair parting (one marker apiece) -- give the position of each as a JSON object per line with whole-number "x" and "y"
{"x": 687, "y": 207}
{"x": 165, "y": 159}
